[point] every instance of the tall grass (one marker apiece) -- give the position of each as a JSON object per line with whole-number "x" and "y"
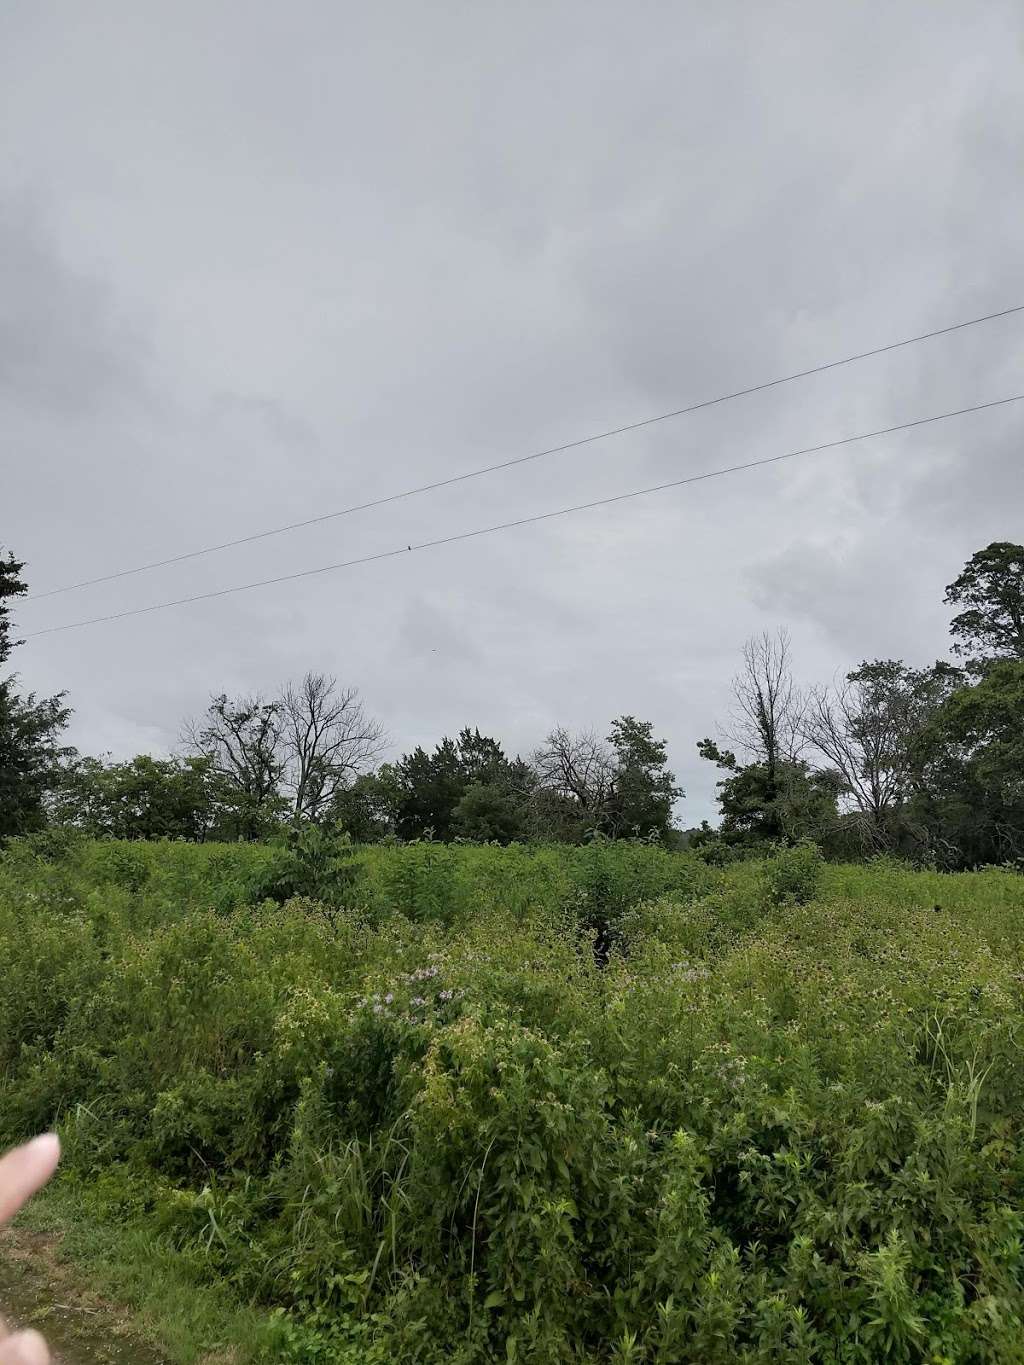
{"x": 426, "y": 1122}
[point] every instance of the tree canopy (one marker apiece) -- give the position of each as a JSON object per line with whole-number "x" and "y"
{"x": 923, "y": 761}
{"x": 31, "y": 752}
{"x": 990, "y": 589}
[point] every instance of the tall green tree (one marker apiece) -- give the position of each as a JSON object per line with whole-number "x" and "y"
{"x": 143, "y": 798}
{"x": 367, "y": 809}
{"x": 490, "y": 812}
{"x": 990, "y": 590}
{"x": 867, "y": 730}
{"x": 12, "y": 586}
{"x": 500, "y": 807}
{"x": 971, "y": 790}
{"x": 969, "y": 755}
{"x": 31, "y": 751}
{"x": 430, "y": 787}
{"x": 31, "y": 757}
{"x": 619, "y": 787}
{"x": 240, "y": 738}
{"x": 643, "y": 789}
{"x": 481, "y": 758}
{"x": 789, "y": 801}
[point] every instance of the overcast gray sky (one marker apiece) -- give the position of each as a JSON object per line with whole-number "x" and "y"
{"x": 262, "y": 261}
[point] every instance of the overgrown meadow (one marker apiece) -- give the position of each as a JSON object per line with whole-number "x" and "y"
{"x": 774, "y": 1116}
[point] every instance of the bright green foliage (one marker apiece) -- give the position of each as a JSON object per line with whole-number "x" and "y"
{"x": 792, "y": 876}
{"x": 780, "y": 1125}
{"x": 311, "y": 862}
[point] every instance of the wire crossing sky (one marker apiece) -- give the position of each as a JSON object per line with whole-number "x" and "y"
{"x": 526, "y": 459}
{"x": 530, "y": 520}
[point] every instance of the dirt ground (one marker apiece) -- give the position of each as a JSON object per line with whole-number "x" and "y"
{"x": 38, "y": 1290}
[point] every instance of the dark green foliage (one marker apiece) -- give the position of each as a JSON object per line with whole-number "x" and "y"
{"x": 31, "y": 757}
{"x": 971, "y": 788}
{"x": 991, "y": 591}
{"x": 869, "y": 730}
{"x": 31, "y": 752}
{"x": 644, "y": 791}
{"x": 491, "y": 812}
{"x": 481, "y": 759}
{"x": 366, "y": 809}
{"x": 428, "y": 791}
{"x": 759, "y": 804}
{"x": 144, "y": 798}
{"x": 465, "y": 788}
{"x": 12, "y": 585}
{"x": 586, "y": 787}
{"x": 716, "y": 850}
{"x": 429, "y": 786}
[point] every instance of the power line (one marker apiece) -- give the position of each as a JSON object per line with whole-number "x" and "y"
{"x": 521, "y": 459}
{"x": 527, "y": 521}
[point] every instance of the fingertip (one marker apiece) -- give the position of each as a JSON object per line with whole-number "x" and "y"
{"x": 25, "y": 1348}
{"x": 46, "y": 1145}
{"x": 23, "y": 1171}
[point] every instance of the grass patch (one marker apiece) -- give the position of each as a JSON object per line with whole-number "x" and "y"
{"x": 103, "y": 1289}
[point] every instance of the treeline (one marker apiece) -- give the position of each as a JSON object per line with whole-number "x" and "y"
{"x": 926, "y": 763}
{"x": 255, "y": 765}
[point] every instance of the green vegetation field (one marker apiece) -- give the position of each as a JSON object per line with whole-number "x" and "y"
{"x": 421, "y": 1121}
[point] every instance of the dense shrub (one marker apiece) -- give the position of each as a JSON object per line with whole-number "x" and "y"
{"x": 792, "y": 875}
{"x": 313, "y": 862}
{"x": 781, "y": 1124}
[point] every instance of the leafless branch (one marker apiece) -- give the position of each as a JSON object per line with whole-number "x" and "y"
{"x": 327, "y": 740}
{"x": 240, "y": 737}
{"x": 766, "y": 721}
{"x": 580, "y": 766}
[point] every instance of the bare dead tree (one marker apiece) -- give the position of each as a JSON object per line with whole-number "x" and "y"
{"x": 326, "y": 741}
{"x": 579, "y": 766}
{"x": 240, "y": 736}
{"x": 865, "y": 727}
{"x": 767, "y": 713}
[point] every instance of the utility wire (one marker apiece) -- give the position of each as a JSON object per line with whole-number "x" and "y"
{"x": 521, "y": 459}
{"x": 527, "y": 521}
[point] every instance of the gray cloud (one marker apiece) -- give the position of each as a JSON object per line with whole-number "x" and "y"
{"x": 277, "y": 264}
{"x": 63, "y": 349}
